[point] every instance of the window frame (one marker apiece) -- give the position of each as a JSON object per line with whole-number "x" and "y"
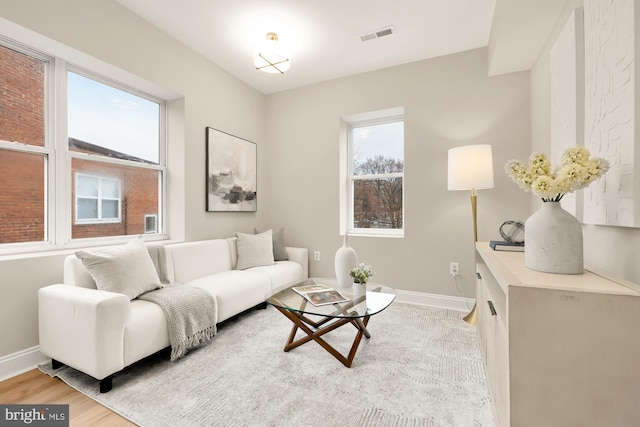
{"x": 47, "y": 149}
{"x": 393, "y": 116}
{"x": 58, "y": 158}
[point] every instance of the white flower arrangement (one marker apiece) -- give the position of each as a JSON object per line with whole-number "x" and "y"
{"x": 577, "y": 170}
{"x": 361, "y": 273}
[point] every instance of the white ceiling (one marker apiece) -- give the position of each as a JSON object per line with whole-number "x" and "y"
{"x": 324, "y": 35}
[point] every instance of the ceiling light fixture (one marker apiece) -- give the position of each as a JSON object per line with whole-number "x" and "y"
{"x": 271, "y": 56}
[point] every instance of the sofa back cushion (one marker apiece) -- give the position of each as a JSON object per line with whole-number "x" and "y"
{"x": 192, "y": 260}
{"x": 233, "y": 250}
{"x": 254, "y": 250}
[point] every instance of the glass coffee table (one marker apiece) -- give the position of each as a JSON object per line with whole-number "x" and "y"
{"x": 329, "y": 310}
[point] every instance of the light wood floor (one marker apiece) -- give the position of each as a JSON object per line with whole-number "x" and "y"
{"x": 35, "y": 387}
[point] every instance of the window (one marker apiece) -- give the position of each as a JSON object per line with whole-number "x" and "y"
{"x": 107, "y": 121}
{"x": 376, "y": 176}
{"x": 24, "y": 154}
{"x": 114, "y": 142}
{"x": 97, "y": 199}
{"x": 105, "y": 169}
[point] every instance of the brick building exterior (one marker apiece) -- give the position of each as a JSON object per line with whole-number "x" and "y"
{"x": 139, "y": 193}
{"x": 22, "y": 98}
{"x": 21, "y": 174}
{"x": 21, "y": 197}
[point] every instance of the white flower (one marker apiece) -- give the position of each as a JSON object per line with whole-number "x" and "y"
{"x": 361, "y": 273}
{"x": 544, "y": 186}
{"x": 575, "y": 154}
{"x": 577, "y": 170}
{"x": 539, "y": 165}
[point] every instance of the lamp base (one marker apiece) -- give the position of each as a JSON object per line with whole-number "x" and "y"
{"x": 471, "y": 317}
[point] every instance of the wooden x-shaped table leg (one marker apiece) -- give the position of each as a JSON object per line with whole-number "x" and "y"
{"x": 315, "y": 334}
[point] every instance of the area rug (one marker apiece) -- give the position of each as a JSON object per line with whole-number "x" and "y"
{"x": 421, "y": 367}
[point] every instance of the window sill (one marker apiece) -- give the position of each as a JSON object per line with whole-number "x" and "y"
{"x": 45, "y": 250}
{"x": 376, "y": 233}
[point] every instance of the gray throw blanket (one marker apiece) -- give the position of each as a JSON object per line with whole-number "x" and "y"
{"x": 159, "y": 258}
{"x": 191, "y": 315}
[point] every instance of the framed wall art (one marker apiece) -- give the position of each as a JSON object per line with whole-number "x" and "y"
{"x": 231, "y": 173}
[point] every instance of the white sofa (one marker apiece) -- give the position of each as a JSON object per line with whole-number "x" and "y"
{"x": 100, "y": 332}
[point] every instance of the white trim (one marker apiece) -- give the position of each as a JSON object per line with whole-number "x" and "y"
{"x": 20, "y": 362}
{"x": 435, "y": 300}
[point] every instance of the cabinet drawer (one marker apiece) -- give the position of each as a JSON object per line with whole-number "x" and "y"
{"x": 494, "y": 294}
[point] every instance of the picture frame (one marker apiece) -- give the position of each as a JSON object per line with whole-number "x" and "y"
{"x": 231, "y": 173}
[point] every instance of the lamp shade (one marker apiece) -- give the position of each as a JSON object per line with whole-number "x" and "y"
{"x": 271, "y": 56}
{"x": 470, "y": 167}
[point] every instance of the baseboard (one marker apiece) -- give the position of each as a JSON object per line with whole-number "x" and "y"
{"x": 435, "y": 300}
{"x": 20, "y": 362}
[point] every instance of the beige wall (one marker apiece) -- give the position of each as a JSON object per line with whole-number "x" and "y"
{"x": 615, "y": 250}
{"x": 448, "y": 102}
{"x": 206, "y": 96}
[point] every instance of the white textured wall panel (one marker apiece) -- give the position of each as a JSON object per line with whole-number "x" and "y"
{"x": 610, "y": 113}
{"x": 566, "y": 59}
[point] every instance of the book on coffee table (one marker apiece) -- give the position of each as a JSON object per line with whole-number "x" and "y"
{"x": 320, "y": 295}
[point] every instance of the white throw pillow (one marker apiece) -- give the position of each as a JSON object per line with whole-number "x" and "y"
{"x": 126, "y": 269}
{"x": 254, "y": 250}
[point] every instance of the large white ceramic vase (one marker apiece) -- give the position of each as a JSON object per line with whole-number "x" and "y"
{"x": 346, "y": 259}
{"x": 553, "y": 241}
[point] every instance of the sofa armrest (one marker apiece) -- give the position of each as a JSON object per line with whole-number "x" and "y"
{"x": 301, "y": 256}
{"x": 83, "y": 328}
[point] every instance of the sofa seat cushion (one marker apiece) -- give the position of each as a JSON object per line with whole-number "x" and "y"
{"x": 235, "y": 290}
{"x": 146, "y": 331}
{"x": 282, "y": 273}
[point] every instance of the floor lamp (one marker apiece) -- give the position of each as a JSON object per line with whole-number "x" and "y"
{"x": 471, "y": 168}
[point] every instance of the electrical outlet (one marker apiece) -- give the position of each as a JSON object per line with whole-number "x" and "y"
{"x": 454, "y": 268}
{"x": 316, "y": 255}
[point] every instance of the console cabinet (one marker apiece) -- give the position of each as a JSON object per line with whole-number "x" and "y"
{"x": 559, "y": 350}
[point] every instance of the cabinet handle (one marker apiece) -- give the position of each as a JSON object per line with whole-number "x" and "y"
{"x": 492, "y": 308}
{"x": 478, "y": 276}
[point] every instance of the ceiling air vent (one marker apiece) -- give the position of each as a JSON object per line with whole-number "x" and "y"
{"x": 387, "y": 31}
